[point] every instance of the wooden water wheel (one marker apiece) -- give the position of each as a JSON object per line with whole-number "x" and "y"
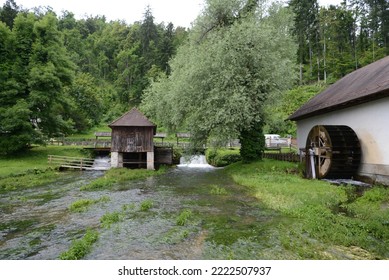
{"x": 336, "y": 152}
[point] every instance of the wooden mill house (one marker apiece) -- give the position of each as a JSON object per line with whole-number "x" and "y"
{"x": 132, "y": 141}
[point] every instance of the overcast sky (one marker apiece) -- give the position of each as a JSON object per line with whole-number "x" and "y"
{"x": 180, "y": 12}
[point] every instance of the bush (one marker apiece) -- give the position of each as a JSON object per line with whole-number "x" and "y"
{"x": 220, "y": 158}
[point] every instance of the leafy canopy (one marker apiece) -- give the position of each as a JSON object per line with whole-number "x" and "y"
{"x": 221, "y": 77}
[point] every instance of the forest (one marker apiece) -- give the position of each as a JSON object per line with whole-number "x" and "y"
{"x": 242, "y": 67}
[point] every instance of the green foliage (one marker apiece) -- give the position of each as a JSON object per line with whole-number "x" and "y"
{"x": 81, "y": 205}
{"x": 80, "y": 248}
{"x": 16, "y": 131}
{"x": 184, "y": 216}
{"x": 60, "y": 75}
{"x": 84, "y": 204}
{"x": 86, "y": 103}
{"x": 31, "y": 178}
{"x": 116, "y": 176}
{"x": 98, "y": 184}
{"x": 279, "y": 107}
{"x": 216, "y": 190}
{"x": 41, "y": 54}
{"x": 8, "y": 12}
{"x": 222, "y": 157}
{"x": 231, "y": 69}
{"x": 110, "y": 218}
{"x": 252, "y": 142}
{"x": 336, "y": 40}
{"x": 321, "y": 211}
{"x": 146, "y": 205}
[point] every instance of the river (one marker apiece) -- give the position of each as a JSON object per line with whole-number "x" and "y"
{"x": 222, "y": 219}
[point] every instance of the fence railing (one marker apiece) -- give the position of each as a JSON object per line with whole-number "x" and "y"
{"x": 291, "y": 157}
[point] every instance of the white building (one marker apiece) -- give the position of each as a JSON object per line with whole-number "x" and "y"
{"x": 359, "y": 101}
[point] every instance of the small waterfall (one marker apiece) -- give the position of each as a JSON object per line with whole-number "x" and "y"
{"x": 198, "y": 161}
{"x": 102, "y": 163}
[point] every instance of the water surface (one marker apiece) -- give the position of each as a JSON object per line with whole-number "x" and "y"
{"x": 225, "y": 220}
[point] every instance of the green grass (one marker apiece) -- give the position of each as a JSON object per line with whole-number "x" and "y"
{"x": 217, "y": 190}
{"x": 80, "y": 248}
{"x": 183, "y": 218}
{"x": 31, "y": 169}
{"x": 84, "y": 204}
{"x": 327, "y": 223}
{"x": 146, "y": 205}
{"x": 110, "y": 218}
{"x": 120, "y": 175}
{"x": 35, "y": 159}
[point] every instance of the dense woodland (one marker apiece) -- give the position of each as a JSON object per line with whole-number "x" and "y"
{"x": 255, "y": 61}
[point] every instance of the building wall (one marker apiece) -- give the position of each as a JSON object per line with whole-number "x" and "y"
{"x": 370, "y": 121}
{"x": 132, "y": 139}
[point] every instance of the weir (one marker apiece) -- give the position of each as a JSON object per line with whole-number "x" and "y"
{"x": 101, "y": 163}
{"x": 196, "y": 161}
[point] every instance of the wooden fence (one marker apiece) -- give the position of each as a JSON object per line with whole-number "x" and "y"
{"x": 71, "y": 162}
{"x": 292, "y": 157}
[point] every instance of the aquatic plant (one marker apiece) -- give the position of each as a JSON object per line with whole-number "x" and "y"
{"x": 110, "y": 218}
{"x": 120, "y": 175}
{"x": 83, "y": 204}
{"x": 183, "y": 217}
{"x": 146, "y": 205}
{"x": 216, "y": 190}
{"x": 80, "y": 248}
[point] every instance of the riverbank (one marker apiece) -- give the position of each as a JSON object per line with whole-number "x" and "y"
{"x": 326, "y": 221}
{"x": 31, "y": 169}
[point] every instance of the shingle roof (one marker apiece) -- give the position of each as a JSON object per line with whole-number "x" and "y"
{"x": 365, "y": 84}
{"x": 132, "y": 118}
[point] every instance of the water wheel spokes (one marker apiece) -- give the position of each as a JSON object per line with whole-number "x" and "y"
{"x": 336, "y": 151}
{"x": 320, "y": 142}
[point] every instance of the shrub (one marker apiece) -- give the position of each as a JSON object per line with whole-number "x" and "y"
{"x": 224, "y": 158}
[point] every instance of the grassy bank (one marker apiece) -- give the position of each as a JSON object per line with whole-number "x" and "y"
{"x": 31, "y": 168}
{"x": 328, "y": 222}
{"x": 35, "y": 159}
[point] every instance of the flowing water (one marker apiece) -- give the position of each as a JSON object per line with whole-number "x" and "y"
{"x": 195, "y": 212}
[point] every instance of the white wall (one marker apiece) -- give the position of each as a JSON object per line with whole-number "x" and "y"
{"x": 370, "y": 121}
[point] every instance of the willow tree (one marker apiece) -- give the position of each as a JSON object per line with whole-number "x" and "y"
{"x": 237, "y": 54}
